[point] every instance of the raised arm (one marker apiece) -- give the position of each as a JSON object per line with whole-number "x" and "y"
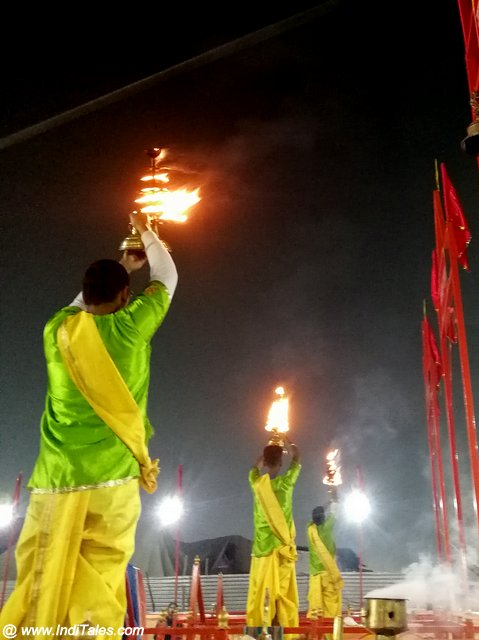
{"x": 162, "y": 267}
{"x": 255, "y": 471}
{"x": 333, "y": 507}
{"x": 292, "y": 450}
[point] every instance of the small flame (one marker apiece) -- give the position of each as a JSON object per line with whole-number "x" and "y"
{"x": 278, "y": 413}
{"x": 161, "y": 202}
{"x": 160, "y": 177}
{"x": 333, "y": 474}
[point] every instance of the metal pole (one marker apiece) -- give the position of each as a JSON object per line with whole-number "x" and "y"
{"x": 179, "y": 490}
{"x": 360, "y": 541}
{"x": 430, "y": 438}
{"x": 464, "y": 359}
{"x": 446, "y": 363}
{"x": 467, "y": 386}
{"x": 440, "y": 468}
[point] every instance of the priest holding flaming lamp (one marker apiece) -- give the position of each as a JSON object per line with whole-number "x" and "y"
{"x": 325, "y": 582}
{"x": 273, "y": 571}
{"x": 159, "y": 201}
{"x": 79, "y": 530}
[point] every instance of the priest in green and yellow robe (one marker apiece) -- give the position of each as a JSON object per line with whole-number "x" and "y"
{"x": 273, "y": 562}
{"x": 325, "y": 582}
{"x": 79, "y": 529}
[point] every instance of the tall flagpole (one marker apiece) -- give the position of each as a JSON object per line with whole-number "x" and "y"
{"x": 359, "y": 473}
{"x": 444, "y": 319}
{"x": 440, "y": 467}
{"x": 464, "y": 357}
{"x": 446, "y": 360}
{"x": 466, "y": 371}
{"x": 179, "y": 491}
{"x": 430, "y": 435}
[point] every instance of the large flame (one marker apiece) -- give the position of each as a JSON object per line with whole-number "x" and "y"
{"x": 333, "y": 474}
{"x": 278, "y": 413}
{"x": 161, "y": 202}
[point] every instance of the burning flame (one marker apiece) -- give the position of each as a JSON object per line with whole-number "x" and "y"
{"x": 278, "y": 413}
{"x": 168, "y": 205}
{"x": 161, "y": 202}
{"x": 333, "y": 474}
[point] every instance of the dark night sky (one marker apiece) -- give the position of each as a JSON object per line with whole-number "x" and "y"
{"x": 306, "y": 262}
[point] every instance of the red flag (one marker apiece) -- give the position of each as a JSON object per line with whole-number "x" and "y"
{"x": 440, "y": 298}
{"x": 435, "y": 281}
{"x": 432, "y": 356}
{"x": 451, "y": 325}
{"x": 455, "y": 216}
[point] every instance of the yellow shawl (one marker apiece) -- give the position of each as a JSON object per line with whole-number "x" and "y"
{"x": 326, "y": 558}
{"x": 275, "y": 517}
{"x": 98, "y": 379}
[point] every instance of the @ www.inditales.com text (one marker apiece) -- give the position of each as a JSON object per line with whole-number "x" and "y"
{"x": 11, "y": 631}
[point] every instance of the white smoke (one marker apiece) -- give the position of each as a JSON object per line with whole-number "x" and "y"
{"x": 434, "y": 587}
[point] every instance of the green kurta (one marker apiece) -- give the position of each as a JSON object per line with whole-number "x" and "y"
{"x": 283, "y": 486}
{"x": 77, "y": 449}
{"x": 325, "y": 532}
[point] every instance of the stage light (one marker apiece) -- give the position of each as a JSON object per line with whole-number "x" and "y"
{"x": 357, "y": 506}
{"x": 170, "y": 510}
{"x": 6, "y": 515}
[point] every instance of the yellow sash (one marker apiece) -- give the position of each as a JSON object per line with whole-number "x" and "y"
{"x": 275, "y": 516}
{"x": 97, "y": 378}
{"x": 326, "y": 558}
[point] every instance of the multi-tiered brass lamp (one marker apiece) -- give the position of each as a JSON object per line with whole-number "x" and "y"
{"x": 333, "y": 477}
{"x": 165, "y": 196}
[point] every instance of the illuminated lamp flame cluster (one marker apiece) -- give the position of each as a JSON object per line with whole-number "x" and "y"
{"x": 333, "y": 470}
{"x": 277, "y": 422}
{"x": 158, "y": 199}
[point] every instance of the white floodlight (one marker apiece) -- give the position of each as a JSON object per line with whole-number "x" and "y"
{"x": 170, "y": 510}
{"x": 6, "y": 515}
{"x": 357, "y": 506}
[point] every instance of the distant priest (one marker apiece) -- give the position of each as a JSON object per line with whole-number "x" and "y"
{"x": 273, "y": 571}
{"x": 325, "y": 582}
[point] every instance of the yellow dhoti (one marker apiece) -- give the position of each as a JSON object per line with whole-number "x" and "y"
{"x": 324, "y": 595}
{"x": 277, "y": 574}
{"x": 71, "y": 558}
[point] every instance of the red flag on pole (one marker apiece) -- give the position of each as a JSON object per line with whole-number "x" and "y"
{"x": 431, "y": 355}
{"x": 440, "y": 298}
{"x": 434, "y": 356}
{"x": 451, "y": 325}
{"x": 436, "y": 300}
{"x": 432, "y": 375}
{"x": 455, "y": 216}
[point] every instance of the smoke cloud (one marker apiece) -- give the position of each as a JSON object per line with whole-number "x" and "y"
{"x": 433, "y": 587}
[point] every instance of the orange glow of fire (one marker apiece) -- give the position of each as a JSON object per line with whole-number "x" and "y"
{"x": 168, "y": 205}
{"x": 278, "y": 413}
{"x": 333, "y": 474}
{"x": 159, "y": 177}
{"x": 161, "y": 202}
